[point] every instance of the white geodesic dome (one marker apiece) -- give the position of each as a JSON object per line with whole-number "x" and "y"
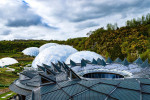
{"x": 53, "y": 54}
{"x": 31, "y": 51}
{"x": 87, "y": 55}
{"x": 47, "y": 45}
{"x": 7, "y": 61}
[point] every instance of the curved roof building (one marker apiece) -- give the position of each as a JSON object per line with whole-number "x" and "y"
{"x": 31, "y": 51}
{"x": 7, "y": 61}
{"x": 87, "y": 55}
{"x": 53, "y": 54}
{"x": 85, "y": 81}
{"x": 47, "y": 45}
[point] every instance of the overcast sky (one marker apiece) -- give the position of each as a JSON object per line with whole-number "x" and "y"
{"x": 63, "y": 19}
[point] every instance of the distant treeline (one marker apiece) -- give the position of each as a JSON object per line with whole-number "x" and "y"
{"x": 19, "y": 45}
{"x": 130, "y": 41}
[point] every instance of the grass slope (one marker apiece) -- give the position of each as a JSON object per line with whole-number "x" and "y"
{"x": 7, "y": 95}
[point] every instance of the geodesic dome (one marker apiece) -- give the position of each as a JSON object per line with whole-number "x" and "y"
{"x": 47, "y": 45}
{"x": 87, "y": 55}
{"x": 53, "y": 54}
{"x": 7, "y": 61}
{"x": 31, "y": 51}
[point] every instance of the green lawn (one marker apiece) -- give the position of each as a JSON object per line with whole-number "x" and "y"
{"x": 8, "y": 77}
{"x": 7, "y": 95}
{"x": 2, "y": 55}
{"x": 3, "y": 87}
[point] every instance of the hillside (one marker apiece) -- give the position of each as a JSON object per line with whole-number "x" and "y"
{"x": 130, "y": 41}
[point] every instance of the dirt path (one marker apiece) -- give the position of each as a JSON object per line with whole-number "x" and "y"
{"x": 10, "y": 69}
{"x": 4, "y": 90}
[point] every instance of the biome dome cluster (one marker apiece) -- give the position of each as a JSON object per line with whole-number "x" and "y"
{"x": 31, "y": 51}
{"x": 34, "y": 51}
{"x": 53, "y": 54}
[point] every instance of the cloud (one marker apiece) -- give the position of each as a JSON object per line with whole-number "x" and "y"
{"x": 64, "y": 19}
{"x": 18, "y": 14}
{"x": 4, "y": 31}
{"x": 23, "y": 22}
{"x": 87, "y": 25}
{"x": 82, "y": 10}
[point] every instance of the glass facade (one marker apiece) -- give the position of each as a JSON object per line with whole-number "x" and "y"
{"x": 102, "y": 75}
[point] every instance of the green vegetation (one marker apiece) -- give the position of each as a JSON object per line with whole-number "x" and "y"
{"x": 19, "y": 45}
{"x": 8, "y": 77}
{"x": 7, "y": 95}
{"x": 130, "y": 41}
{"x": 3, "y": 87}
